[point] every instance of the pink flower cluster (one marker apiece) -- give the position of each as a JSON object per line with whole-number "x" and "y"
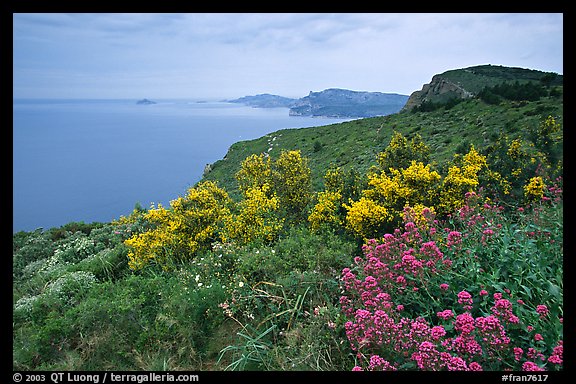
{"x": 383, "y": 327}
{"x": 542, "y": 310}
{"x": 465, "y": 298}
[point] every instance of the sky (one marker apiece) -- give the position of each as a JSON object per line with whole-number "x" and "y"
{"x": 215, "y": 56}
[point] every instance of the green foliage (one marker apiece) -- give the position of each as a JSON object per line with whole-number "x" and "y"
{"x": 429, "y": 106}
{"x": 513, "y": 91}
{"x": 299, "y": 250}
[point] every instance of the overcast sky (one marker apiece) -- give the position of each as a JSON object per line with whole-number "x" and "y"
{"x": 219, "y": 55}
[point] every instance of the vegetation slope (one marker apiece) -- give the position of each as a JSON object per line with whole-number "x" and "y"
{"x": 425, "y": 240}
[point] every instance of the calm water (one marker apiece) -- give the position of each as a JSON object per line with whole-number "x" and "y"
{"x": 93, "y": 160}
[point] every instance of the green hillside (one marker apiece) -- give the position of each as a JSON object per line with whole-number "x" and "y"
{"x": 443, "y": 250}
{"x": 355, "y": 144}
{"x": 474, "y": 79}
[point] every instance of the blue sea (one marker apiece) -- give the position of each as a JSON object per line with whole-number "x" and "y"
{"x": 93, "y": 160}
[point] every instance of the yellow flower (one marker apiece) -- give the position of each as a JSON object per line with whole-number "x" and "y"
{"x": 326, "y": 210}
{"x": 192, "y": 223}
{"x": 366, "y": 217}
{"x": 534, "y": 189}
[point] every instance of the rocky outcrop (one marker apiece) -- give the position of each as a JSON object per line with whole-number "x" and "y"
{"x": 438, "y": 90}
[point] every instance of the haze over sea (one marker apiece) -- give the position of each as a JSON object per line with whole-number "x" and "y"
{"x": 93, "y": 160}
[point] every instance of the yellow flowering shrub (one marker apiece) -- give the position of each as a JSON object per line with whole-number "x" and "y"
{"x": 255, "y": 171}
{"x": 288, "y": 177}
{"x": 534, "y": 189}
{"x": 515, "y": 151}
{"x": 419, "y": 183}
{"x": 412, "y": 185}
{"x": 400, "y": 152}
{"x": 326, "y": 210}
{"x": 383, "y": 188}
{"x": 192, "y": 223}
{"x": 334, "y": 180}
{"x": 292, "y": 182}
{"x": 416, "y": 184}
{"x": 549, "y": 127}
{"x": 367, "y": 218}
{"x": 257, "y": 219}
{"x": 460, "y": 180}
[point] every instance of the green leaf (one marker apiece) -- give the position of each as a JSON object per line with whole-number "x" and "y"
{"x": 554, "y": 291}
{"x": 528, "y": 291}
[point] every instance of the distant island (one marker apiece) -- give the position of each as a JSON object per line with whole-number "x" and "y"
{"x": 333, "y": 102}
{"x": 265, "y": 100}
{"x": 336, "y": 102}
{"x": 145, "y": 102}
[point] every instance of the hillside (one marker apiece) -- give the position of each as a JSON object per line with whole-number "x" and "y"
{"x": 354, "y": 144}
{"x": 456, "y": 264}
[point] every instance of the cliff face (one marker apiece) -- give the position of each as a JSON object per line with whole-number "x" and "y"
{"x": 438, "y": 90}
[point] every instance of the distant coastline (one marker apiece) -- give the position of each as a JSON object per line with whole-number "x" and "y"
{"x": 333, "y": 103}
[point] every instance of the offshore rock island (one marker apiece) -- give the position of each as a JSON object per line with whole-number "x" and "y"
{"x": 145, "y": 102}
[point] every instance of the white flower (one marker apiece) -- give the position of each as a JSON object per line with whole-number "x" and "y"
{"x": 241, "y": 284}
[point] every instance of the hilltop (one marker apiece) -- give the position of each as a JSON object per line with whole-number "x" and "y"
{"x": 469, "y": 82}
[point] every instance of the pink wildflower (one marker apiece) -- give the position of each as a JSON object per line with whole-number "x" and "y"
{"x": 464, "y": 323}
{"x": 474, "y": 366}
{"x": 531, "y": 366}
{"x": 454, "y": 238}
{"x": 518, "y": 353}
{"x": 456, "y": 364}
{"x": 437, "y": 332}
{"x": 446, "y": 314}
{"x": 465, "y": 299}
{"x": 542, "y": 310}
{"x": 557, "y": 353}
{"x": 555, "y": 359}
{"x": 538, "y": 337}
{"x": 379, "y": 364}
